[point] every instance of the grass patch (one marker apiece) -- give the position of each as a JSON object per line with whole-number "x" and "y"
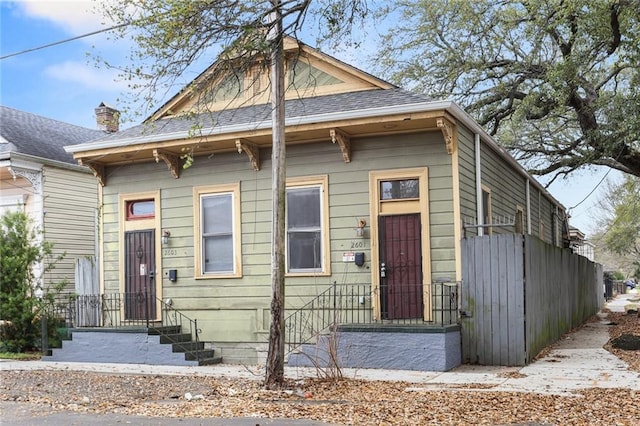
{"x": 26, "y": 356}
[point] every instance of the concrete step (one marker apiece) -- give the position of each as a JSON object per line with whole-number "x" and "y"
{"x": 210, "y": 361}
{"x": 167, "y": 329}
{"x": 187, "y": 346}
{"x": 203, "y": 354}
{"x": 175, "y": 338}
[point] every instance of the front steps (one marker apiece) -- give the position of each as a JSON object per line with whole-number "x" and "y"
{"x": 135, "y": 345}
{"x": 183, "y": 343}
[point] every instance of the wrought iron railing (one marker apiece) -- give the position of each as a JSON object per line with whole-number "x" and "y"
{"x": 353, "y": 304}
{"x": 126, "y": 310}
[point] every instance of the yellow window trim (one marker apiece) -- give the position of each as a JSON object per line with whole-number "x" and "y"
{"x": 323, "y": 183}
{"x": 381, "y": 207}
{"x": 198, "y": 192}
{"x": 138, "y": 225}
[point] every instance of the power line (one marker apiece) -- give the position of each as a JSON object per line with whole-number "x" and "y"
{"x": 593, "y": 190}
{"x": 33, "y": 49}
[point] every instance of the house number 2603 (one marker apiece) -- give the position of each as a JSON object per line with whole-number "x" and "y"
{"x": 357, "y": 244}
{"x": 170, "y": 252}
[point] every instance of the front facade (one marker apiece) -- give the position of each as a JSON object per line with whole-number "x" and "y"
{"x": 382, "y": 185}
{"x": 37, "y": 176}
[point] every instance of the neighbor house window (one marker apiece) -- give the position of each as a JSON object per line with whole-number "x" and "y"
{"x": 217, "y": 225}
{"x": 307, "y": 226}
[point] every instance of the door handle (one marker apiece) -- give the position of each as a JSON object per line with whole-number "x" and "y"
{"x": 383, "y": 270}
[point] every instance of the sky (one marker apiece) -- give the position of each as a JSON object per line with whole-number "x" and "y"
{"x": 63, "y": 82}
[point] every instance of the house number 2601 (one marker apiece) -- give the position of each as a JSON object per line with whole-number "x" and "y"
{"x": 357, "y": 244}
{"x": 170, "y": 252}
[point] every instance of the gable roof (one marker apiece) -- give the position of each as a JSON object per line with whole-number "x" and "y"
{"x": 346, "y": 78}
{"x": 29, "y": 134}
{"x": 369, "y": 106}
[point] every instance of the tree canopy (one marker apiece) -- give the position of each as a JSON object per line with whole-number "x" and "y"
{"x": 558, "y": 81}
{"x": 170, "y": 37}
{"x": 621, "y": 208}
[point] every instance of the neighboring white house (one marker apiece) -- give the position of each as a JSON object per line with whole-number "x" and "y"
{"x": 580, "y": 245}
{"x": 39, "y": 177}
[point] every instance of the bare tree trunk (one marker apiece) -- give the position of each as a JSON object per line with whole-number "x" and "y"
{"x": 274, "y": 376}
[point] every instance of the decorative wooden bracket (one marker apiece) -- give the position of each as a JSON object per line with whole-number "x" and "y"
{"x": 344, "y": 141}
{"x": 97, "y": 169}
{"x": 171, "y": 160}
{"x": 252, "y": 151}
{"x": 447, "y": 131}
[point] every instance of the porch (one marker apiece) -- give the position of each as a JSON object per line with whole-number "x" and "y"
{"x": 399, "y": 327}
{"x": 125, "y": 328}
{"x": 413, "y": 327}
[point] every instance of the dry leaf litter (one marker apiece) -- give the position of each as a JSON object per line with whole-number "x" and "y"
{"x": 341, "y": 402}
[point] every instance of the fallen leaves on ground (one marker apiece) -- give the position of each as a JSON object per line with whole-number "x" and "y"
{"x": 622, "y": 323}
{"x": 342, "y": 402}
{"x": 337, "y": 402}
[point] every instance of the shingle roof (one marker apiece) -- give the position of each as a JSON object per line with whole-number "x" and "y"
{"x": 39, "y": 136}
{"x": 341, "y": 102}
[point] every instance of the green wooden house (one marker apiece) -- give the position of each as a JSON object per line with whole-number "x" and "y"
{"x": 382, "y": 186}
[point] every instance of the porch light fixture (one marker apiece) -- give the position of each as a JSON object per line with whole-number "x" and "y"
{"x": 360, "y": 228}
{"x": 165, "y": 237}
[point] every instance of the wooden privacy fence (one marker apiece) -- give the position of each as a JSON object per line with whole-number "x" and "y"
{"x": 519, "y": 295}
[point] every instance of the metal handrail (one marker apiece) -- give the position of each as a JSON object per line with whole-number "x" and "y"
{"x": 173, "y": 317}
{"x": 352, "y": 304}
{"x": 125, "y": 310}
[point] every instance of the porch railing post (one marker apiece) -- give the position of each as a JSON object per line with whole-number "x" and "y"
{"x": 195, "y": 325}
{"x": 146, "y": 305}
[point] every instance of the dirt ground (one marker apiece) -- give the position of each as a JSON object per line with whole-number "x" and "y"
{"x": 343, "y": 402}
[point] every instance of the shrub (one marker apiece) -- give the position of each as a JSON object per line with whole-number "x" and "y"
{"x": 21, "y": 252}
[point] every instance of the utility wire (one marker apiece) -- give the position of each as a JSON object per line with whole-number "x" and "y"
{"x": 33, "y": 49}
{"x": 593, "y": 190}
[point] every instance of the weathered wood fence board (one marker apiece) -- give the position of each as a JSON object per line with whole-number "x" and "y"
{"x": 519, "y": 295}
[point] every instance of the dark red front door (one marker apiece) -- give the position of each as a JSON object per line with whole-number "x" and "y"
{"x": 140, "y": 293}
{"x": 400, "y": 267}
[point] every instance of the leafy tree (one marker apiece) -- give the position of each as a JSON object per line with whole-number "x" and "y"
{"x": 20, "y": 252}
{"x": 557, "y": 80}
{"x": 170, "y": 36}
{"x": 620, "y": 221}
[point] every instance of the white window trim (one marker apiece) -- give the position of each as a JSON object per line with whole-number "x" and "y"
{"x": 198, "y": 193}
{"x": 325, "y": 260}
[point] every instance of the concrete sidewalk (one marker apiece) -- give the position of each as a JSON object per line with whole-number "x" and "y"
{"x": 576, "y": 362}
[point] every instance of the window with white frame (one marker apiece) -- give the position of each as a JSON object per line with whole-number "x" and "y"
{"x": 218, "y": 229}
{"x": 306, "y": 227}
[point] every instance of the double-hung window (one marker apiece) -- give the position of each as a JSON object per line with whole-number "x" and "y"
{"x": 217, "y": 224}
{"x": 307, "y": 226}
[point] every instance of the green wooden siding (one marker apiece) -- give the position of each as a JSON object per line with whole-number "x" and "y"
{"x": 70, "y": 203}
{"x": 232, "y": 309}
{"x": 507, "y": 185}
{"x": 467, "y": 172}
{"x": 508, "y": 190}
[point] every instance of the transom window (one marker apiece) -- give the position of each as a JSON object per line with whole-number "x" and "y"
{"x": 400, "y": 189}
{"x": 217, "y": 228}
{"x": 306, "y": 227}
{"x": 141, "y": 209}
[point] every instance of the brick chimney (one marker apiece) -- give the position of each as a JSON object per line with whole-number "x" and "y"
{"x": 107, "y": 118}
